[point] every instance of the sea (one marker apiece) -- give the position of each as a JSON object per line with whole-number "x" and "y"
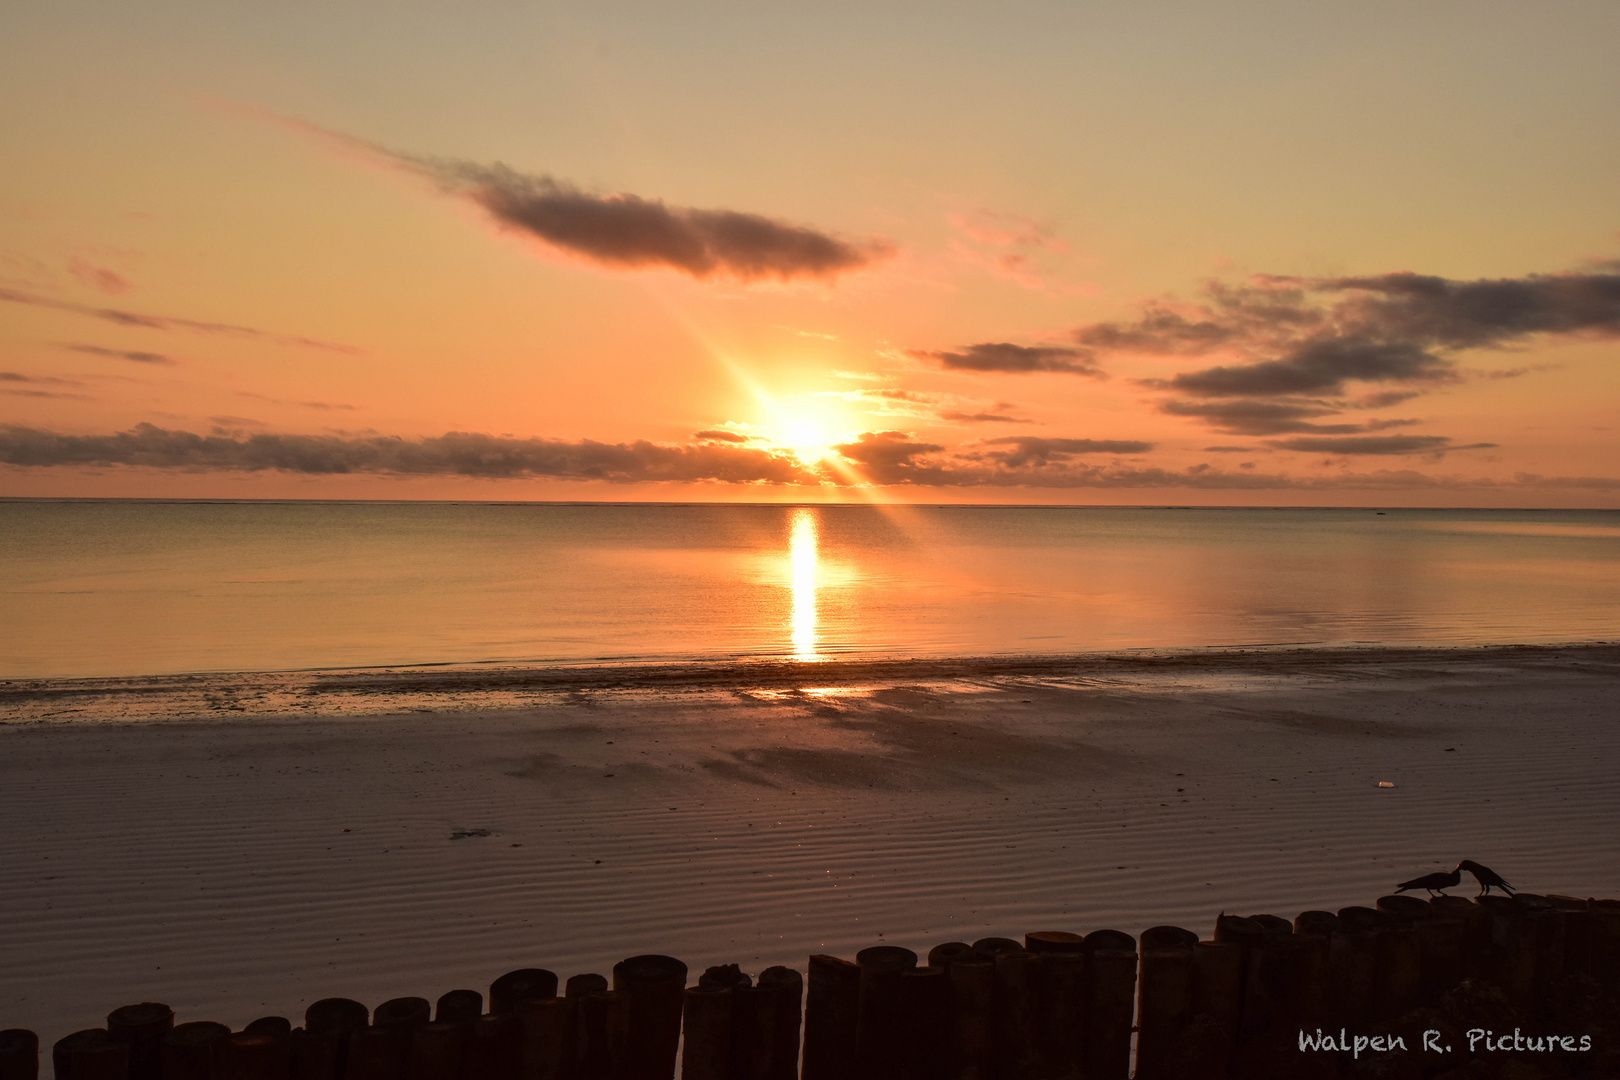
{"x": 107, "y": 588}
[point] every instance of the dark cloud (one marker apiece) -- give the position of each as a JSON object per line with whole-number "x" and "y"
{"x": 717, "y": 435}
{"x": 1228, "y": 449}
{"x": 1478, "y": 314}
{"x": 1289, "y": 336}
{"x": 631, "y": 232}
{"x": 1375, "y": 444}
{"x": 891, "y": 457}
{"x": 1316, "y": 367}
{"x": 20, "y": 385}
{"x": 454, "y": 454}
{"x": 19, "y": 377}
{"x": 883, "y": 457}
{"x": 98, "y": 277}
{"x": 322, "y": 406}
{"x": 1248, "y": 417}
{"x": 1030, "y": 450}
{"x": 166, "y": 322}
{"x": 1018, "y": 359}
{"x": 983, "y": 418}
{"x": 122, "y": 354}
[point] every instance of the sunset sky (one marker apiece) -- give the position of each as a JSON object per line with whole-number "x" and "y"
{"x": 1216, "y": 252}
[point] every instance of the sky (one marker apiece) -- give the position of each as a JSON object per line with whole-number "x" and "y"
{"x": 1094, "y": 253}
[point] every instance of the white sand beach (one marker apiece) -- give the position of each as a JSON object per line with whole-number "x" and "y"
{"x": 238, "y": 846}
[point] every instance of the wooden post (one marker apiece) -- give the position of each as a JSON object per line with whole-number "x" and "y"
{"x": 991, "y": 947}
{"x": 524, "y": 984}
{"x": 377, "y": 1053}
{"x": 438, "y": 1051}
{"x": 394, "y": 1020}
{"x": 877, "y": 1027}
{"x": 92, "y": 1054}
{"x": 1266, "y": 1045}
{"x": 601, "y": 1035}
{"x": 19, "y": 1054}
{"x": 1576, "y": 915}
{"x": 1353, "y": 966}
{"x": 1605, "y": 923}
{"x": 832, "y": 1009}
{"x": 1063, "y": 1006}
{"x": 706, "y": 1017}
{"x": 188, "y": 1050}
{"x": 459, "y": 1007}
{"x": 1439, "y": 944}
{"x": 1398, "y": 982}
{"x": 1515, "y": 938}
{"x": 788, "y": 986}
{"x": 1313, "y": 935}
{"x": 588, "y": 983}
{"x": 547, "y": 1034}
{"x": 948, "y": 953}
{"x": 1053, "y": 941}
{"x": 405, "y": 1012}
{"x": 1474, "y": 928}
{"x": 1218, "y": 987}
{"x": 753, "y": 1031}
{"x": 1164, "y": 997}
{"x": 1546, "y": 925}
{"x": 328, "y": 1025}
{"x": 141, "y": 1028}
{"x": 278, "y": 1026}
{"x": 1061, "y": 995}
{"x": 652, "y": 988}
{"x": 494, "y": 1047}
{"x": 245, "y": 1056}
{"x": 925, "y": 1023}
{"x": 973, "y": 1014}
{"x": 1111, "y": 1002}
{"x": 1018, "y": 1014}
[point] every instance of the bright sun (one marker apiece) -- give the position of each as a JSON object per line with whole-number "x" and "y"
{"x": 807, "y": 439}
{"x": 803, "y": 425}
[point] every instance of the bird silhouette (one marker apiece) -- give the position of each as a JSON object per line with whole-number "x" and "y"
{"x": 1436, "y": 882}
{"x": 1486, "y": 877}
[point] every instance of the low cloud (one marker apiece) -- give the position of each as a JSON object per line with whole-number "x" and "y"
{"x": 1292, "y": 335}
{"x": 454, "y": 454}
{"x": 1375, "y": 444}
{"x": 983, "y": 418}
{"x": 16, "y": 384}
{"x": 1249, "y": 417}
{"x": 626, "y": 231}
{"x": 122, "y": 354}
{"x": 98, "y": 277}
{"x": 1030, "y": 450}
{"x": 876, "y": 457}
{"x": 717, "y": 435}
{"x": 168, "y": 322}
{"x": 1016, "y": 359}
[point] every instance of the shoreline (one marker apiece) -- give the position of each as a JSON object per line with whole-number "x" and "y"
{"x": 238, "y": 846}
{"x": 339, "y": 692}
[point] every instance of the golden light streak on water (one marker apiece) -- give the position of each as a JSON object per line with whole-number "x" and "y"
{"x": 802, "y": 552}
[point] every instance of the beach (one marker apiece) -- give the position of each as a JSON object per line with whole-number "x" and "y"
{"x": 242, "y": 845}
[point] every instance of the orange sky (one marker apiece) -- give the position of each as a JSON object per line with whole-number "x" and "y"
{"x": 1165, "y": 253}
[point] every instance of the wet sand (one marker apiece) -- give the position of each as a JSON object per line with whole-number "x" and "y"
{"x": 243, "y": 845}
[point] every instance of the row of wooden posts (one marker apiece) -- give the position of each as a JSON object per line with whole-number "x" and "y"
{"x": 1054, "y": 1006}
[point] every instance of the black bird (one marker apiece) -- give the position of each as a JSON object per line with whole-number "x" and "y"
{"x": 1436, "y": 882}
{"x": 1486, "y": 877}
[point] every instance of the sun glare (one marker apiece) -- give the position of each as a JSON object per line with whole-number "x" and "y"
{"x": 805, "y": 426}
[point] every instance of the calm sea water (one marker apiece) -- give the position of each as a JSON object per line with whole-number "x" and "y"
{"x": 127, "y": 587}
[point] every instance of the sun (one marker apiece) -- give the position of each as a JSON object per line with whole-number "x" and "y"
{"x": 805, "y": 426}
{"x": 807, "y": 439}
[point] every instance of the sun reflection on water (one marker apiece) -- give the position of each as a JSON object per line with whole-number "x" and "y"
{"x": 802, "y": 552}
